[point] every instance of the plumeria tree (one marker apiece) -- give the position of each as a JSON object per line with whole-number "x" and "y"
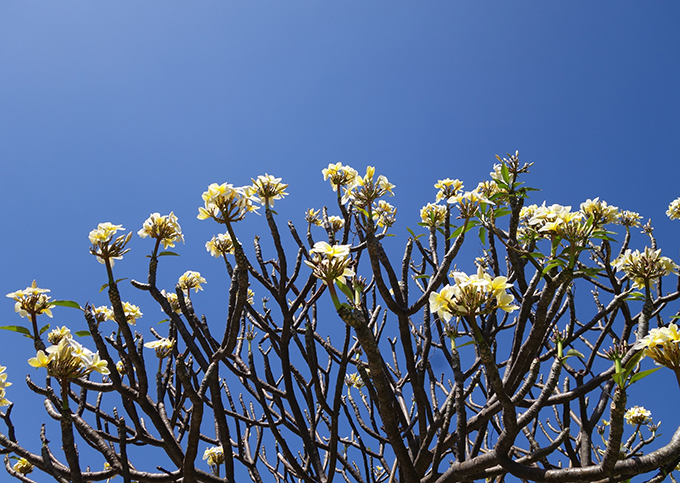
{"x": 341, "y": 361}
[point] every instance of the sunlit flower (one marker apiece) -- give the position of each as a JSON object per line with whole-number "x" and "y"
{"x": 336, "y": 223}
{"x": 472, "y": 295}
{"x": 104, "y": 233}
{"x": 330, "y": 262}
{"x": 662, "y": 345}
{"x": 331, "y": 251}
{"x": 23, "y": 466}
{"x": 448, "y": 188}
{"x": 487, "y": 188}
{"x": 367, "y": 189}
{"x": 220, "y": 245}
{"x": 469, "y": 203}
{"x": 601, "y": 212}
{"x": 638, "y": 415}
{"x": 646, "y": 266}
{"x": 384, "y": 214}
{"x": 3, "y": 384}
{"x": 226, "y": 203}
{"x": 31, "y": 301}
{"x": 339, "y": 175}
{"x": 673, "y": 211}
{"x": 250, "y": 298}
{"x": 59, "y": 333}
{"x": 173, "y": 300}
{"x": 132, "y": 313}
{"x": 40, "y": 360}
{"x": 432, "y": 215}
{"x": 102, "y": 313}
{"x": 267, "y": 188}
{"x": 558, "y": 220}
{"x": 214, "y": 455}
{"x": 163, "y": 228}
{"x": 312, "y": 217}
{"x": 354, "y": 380}
{"x": 163, "y": 347}
{"x": 629, "y": 218}
{"x": 69, "y": 360}
{"x": 497, "y": 173}
{"x": 120, "y": 367}
{"x": 102, "y": 245}
{"x": 191, "y": 280}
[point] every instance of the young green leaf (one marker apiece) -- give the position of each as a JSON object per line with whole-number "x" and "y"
{"x": 17, "y": 328}
{"x": 67, "y": 303}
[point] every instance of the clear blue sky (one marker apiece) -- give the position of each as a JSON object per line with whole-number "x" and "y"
{"x": 112, "y": 110}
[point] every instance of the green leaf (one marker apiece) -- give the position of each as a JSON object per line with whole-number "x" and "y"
{"x": 421, "y": 276}
{"x": 552, "y": 264}
{"x": 103, "y": 287}
{"x": 633, "y": 362}
{"x": 83, "y": 333}
{"x": 17, "y": 328}
{"x": 482, "y": 235}
{"x": 166, "y": 253}
{"x": 415, "y": 237}
{"x": 574, "y": 352}
{"x": 470, "y": 342}
{"x": 67, "y": 303}
{"x": 362, "y": 211}
{"x": 618, "y": 379}
{"x": 505, "y": 173}
{"x": 45, "y": 327}
{"x": 164, "y": 320}
{"x": 642, "y": 374}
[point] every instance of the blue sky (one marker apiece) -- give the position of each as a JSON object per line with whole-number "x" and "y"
{"x": 112, "y": 110}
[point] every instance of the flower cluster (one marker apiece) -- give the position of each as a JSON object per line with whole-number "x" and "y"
{"x": 448, "y": 188}
{"x": 339, "y": 175}
{"x": 3, "y": 385}
{"x": 173, "y": 300}
{"x": 267, "y": 188}
{"x": 469, "y": 203}
{"x": 336, "y": 223}
{"x": 487, "y": 188}
{"x": 131, "y": 311}
{"x": 472, "y": 295}
{"x": 220, "y": 245}
{"x": 312, "y": 217}
{"x": 433, "y": 215}
{"x": 601, "y": 212}
{"x": 629, "y": 218}
{"x": 103, "y": 248}
{"x": 644, "y": 267}
{"x": 367, "y": 189}
{"x": 384, "y": 214}
{"x": 662, "y": 345}
{"x": 166, "y": 229}
{"x": 638, "y": 415}
{"x": 555, "y": 220}
{"x": 673, "y": 211}
{"x": 225, "y": 203}
{"x": 68, "y": 359}
{"x": 190, "y": 280}
{"x": 354, "y": 380}
{"x": 23, "y": 466}
{"x": 55, "y": 335}
{"x": 32, "y": 301}
{"x": 330, "y": 262}
{"x": 214, "y": 455}
{"x": 163, "y": 347}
